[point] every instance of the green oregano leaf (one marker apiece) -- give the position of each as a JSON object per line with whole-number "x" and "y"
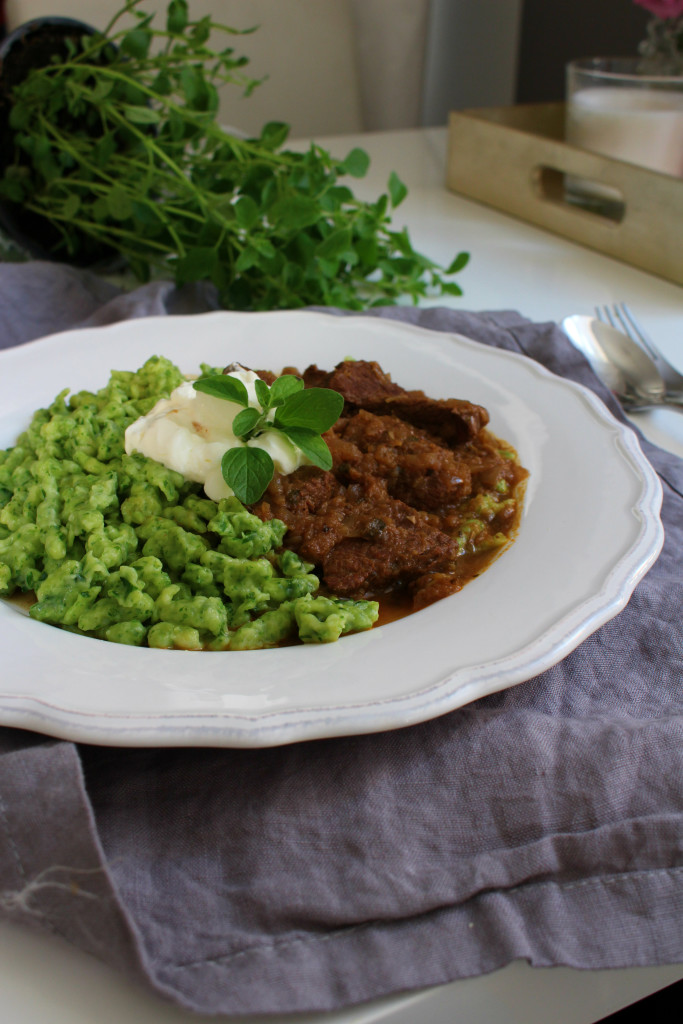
{"x": 262, "y": 393}
{"x": 177, "y": 16}
{"x": 104, "y": 149}
{"x": 201, "y": 31}
{"x": 71, "y": 206}
{"x": 314, "y": 409}
{"x": 136, "y": 43}
{"x": 247, "y": 259}
{"x": 246, "y": 211}
{"x": 99, "y": 209}
{"x": 162, "y": 84}
{"x": 223, "y": 386}
{"x": 397, "y": 190}
{"x": 328, "y": 268}
{"x": 119, "y": 204}
{"x": 12, "y": 190}
{"x": 141, "y": 115}
{"x": 263, "y": 247}
{"x": 336, "y": 196}
{"x": 311, "y": 444}
{"x": 245, "y": 421}
{"x": 451, "y": 288}
{"x": 294, "y": 212}
{"x": 335, "y": 245}
{"x": 248, "y": 471}
{"x": 460, "y": 261}
{"x": 101, "y": 90}
{"x": 19, "y": 116}
{"x": 274, "y": 134}
{"x": 193, "y": 86}
{"x": 356, "y": 163}
{"x": 200, "y": 262}
{"x": 284, "y": 386}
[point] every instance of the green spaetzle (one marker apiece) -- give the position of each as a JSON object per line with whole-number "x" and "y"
{"x": 120, "y": 548}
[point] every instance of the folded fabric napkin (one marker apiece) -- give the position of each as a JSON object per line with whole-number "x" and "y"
{"x": 542, "y": 822}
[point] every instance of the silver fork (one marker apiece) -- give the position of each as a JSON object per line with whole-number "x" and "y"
{"x": 621, "y": 317}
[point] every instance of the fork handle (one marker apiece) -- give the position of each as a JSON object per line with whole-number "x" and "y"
{"x": 671, "y": 400}
{"x": 632, "y": 404}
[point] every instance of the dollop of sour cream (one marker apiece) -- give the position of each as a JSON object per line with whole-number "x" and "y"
{"x": 190, "y": 433}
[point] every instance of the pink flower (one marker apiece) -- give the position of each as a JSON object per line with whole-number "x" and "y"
{"x": 662, "y": 8}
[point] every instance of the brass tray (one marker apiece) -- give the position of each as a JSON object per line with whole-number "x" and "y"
{"x": 516, "y": 160}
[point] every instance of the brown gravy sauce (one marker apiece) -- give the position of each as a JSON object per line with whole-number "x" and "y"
{"x": 393, "y": 607}
{"x": 22, "y": 600}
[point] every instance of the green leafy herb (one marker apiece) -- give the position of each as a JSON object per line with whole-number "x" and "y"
{"x": 313, "y": 409}
{"x": 301, "y": 414}
{"x": 248, "y": 471}
{"x": 245, "y": 422}
{"x": 116, "y": 149}
{"x": 223, "y": 386}
{"x": 312, "y": 445}
{"x": 282, "y": 388}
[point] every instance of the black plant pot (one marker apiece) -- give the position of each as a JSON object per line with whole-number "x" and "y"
{"x": 33, "y": 45}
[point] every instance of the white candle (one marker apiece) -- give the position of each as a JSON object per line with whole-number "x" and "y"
{"x": 642, "y": 126}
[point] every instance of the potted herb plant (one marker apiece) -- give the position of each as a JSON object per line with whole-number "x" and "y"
{"x": 34, "y": 44}
{"x": 113, "y": 145}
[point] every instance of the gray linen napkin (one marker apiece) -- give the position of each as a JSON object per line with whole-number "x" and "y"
{"x": 543, "y": 822}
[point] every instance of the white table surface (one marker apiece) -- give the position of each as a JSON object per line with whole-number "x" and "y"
{"x": 513, "y": 266}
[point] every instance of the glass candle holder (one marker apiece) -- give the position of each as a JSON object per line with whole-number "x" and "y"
{"x": 614, "y": 110}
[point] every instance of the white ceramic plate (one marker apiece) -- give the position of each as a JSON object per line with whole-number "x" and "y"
{"x": 589, "y": 532}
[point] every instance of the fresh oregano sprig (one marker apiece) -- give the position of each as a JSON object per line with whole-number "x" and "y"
{"x": 301, "y": 414}
{"x": 115, "y": 147}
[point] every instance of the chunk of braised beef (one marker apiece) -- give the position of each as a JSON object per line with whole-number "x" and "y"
{"x": 451, "y": 419}
{"x": 299, "y": 500}
{"x": 364, "y": 540}
{"x": 365, "y": 385}
{"x": 418, "y": 469}
{"x": 315, "y": 378}
{"x": 394, "y": 558}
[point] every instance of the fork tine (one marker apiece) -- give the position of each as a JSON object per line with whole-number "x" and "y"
{"x": 604, "y": 313}
{"x": 633, "y": 328}
{"x": 625, "y": 322}
{"x": 621, "y": 317}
